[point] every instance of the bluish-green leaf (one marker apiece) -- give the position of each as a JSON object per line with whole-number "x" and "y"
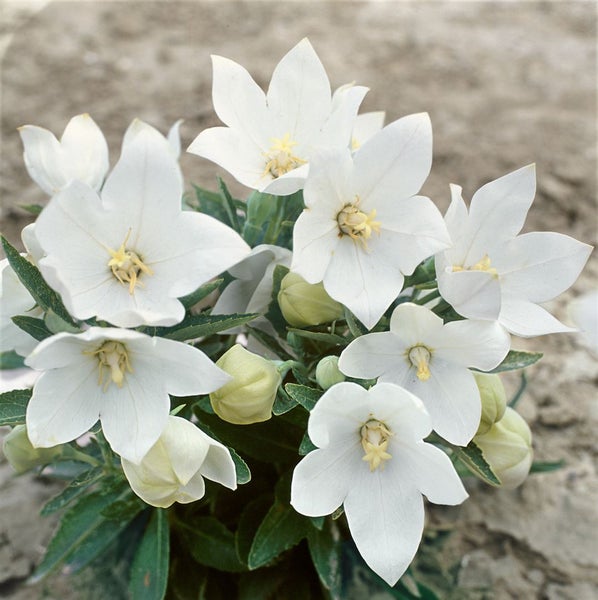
{"x": 304, "y": 395}
{"x": 72, "y": 491}
{"x": 517, "y": 359}
{"x": 198, "y": 326}
{"x": 546, "y": 467}
{"x": 241, "y": 468}
{"x": 11, "y": 360}
{"x": 325, "y": 554}
{"x": 474, "y": 460}
{"x": 328, "y": 339}
{"x": 283, "y": 403}
{"x": 13, "y": 406}
{"x": 149, "y": 572}
{"x": 274, "y": 314}
{"x": 229, "y": 207}
{"x": 306, "y": 445}
{"x": 281, "y": 529}
{"x": 36, "y": 328}
{"x": 356, "y": 327}
{"x": 33, "y": 209}
{"x": 249, "y": 521}
{"x": 200, "y": 293}
{"x": 32, "y": 279}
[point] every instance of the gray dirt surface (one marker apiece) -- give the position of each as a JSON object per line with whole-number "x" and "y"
{"x": 505, "y": 83}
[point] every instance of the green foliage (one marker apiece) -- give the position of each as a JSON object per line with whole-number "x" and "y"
{"x": 304, "y": 395}
{"x": 13, "y": 406}
{"x": 76, "y": 488}
{"x": 36, "y": 328}
{"x": 33, "y": 209}
{"x": 546, "y": 466}
{"x": 325, "y": 552}
{"x": 200, "y": 293}
{"x": 11, "y": 360}
{"x": 517, "y": 359}
{"x": 471, "y": 456}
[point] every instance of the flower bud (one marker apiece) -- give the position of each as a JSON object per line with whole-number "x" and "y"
{"x": 249, "y": 397}
{"x": 507, "y": 448}
{"x": 328, "y": 373}
{"x": 174, "y": 467}
{"x": 304, "y": 304}
{"x": 493, "y": 397}
{"x": 22, "y": 456}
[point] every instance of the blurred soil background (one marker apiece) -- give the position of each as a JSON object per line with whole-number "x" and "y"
{"x": 505, "y": 83}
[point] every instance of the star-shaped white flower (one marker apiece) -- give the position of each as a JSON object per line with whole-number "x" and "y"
{"x": 364, "y": 227}
{"x": 492, "y": 273}
{"x": 119, "y": 376}
{"x": 270, "y": 138}
{"x": 372, "y": 459}
{"x": 583, "y": 311}
{"x": 126, "y": 257}
{"x": 174, "y": 468}
{"x": 431, "y": 360}
{"x": 80, "y": 155}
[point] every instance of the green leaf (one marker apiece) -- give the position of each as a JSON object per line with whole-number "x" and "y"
{"x": 83, "y": 533}
{"x": 546, "y": 467}
{"x": 198, "y": 326}
{"x": 325, "y": 554}
{"x": 200, "y": 293}
{"x": 243, "y": 472}
{"x": 517, "y": 359}
{"x": 211, "y": 544}
{"x": 329, "y": 339}
{"x": 229, "y": 206}
{"x": 13, "y": 406}
{"x": 355, "y": 326}
{"x": 249, "y": 521}
{"x": 281, "y": 529}
{"x": 306, "y": 445}
{"x": 304, "y": 395}
{"x": 149, "y": 572}
{"x": 57, "y": 325}
{"x": 274, "y": 314}
{"x": 36, "y": 328}
{"x": 472, "y": 457}
{"x": 34, "y": 209}
{"x": 270, "y": 342}
{"x": 124, "y": 509}
{"x": 32, "y": 279}
{"x": 283, "y": 403}
{"x": 73, "y": 490}
{"x": 210, "y": 203}
{"x": 11, "y": 360}
{"x": 262, "y": 584}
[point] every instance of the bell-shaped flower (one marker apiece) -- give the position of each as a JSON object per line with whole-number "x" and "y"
{"x": 583, "y": 311}
{"x": 119, "y": 376}
{"x": 431, "y": 360}
{"x": 270, "y": 138}
{"x": 365, "y": 126}
{"x": 493, "y": 273}
{"x": 174, "y": 468}
{"x": 126, "y": 257}
{"x": 80, "y": 155}
{"x": 372, "y": 459}
{"x": 364, "y": 228}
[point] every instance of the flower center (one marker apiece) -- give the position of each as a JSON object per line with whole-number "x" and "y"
{"x": 356, "y": 224}
{"x": 113, "y": 363}
{"x": 374, "y": 441}
{"x": 482, "y": 265}
{"x": 127, "y": 265}
{"x": 419, "y": 356}
{"x": 280, "y": 157}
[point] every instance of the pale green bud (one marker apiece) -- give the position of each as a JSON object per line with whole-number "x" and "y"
{"x": 507, "y": 448}
{"x": 304, "y": 304}
{"x": 22, "y": 456}
{"x": 328, "y": 373}
{"x": 493, "y": 397}
{"x": 249, "y": 397}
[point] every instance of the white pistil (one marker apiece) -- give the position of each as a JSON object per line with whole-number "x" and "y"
{"x": 375, "y": 436}
{"x": 357, "y": 224}
{"x": 280, "y": 157}
{"x": 113, "y": 360}
{"x": 127, "y": 265}
{"x": 419, "y": 356}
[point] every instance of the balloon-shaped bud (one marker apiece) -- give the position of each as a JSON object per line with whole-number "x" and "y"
{"x": 493, "y": 397}
{"x": 22, "y": 456}
{"x": 328, "y": 373}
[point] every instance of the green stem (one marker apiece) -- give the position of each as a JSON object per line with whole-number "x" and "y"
{"x": 428, "y": 297}
{"x": 69, "y": 453}
{"x": 515, "y": 400}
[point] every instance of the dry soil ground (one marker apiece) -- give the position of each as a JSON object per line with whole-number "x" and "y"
{"x": 505, "y": 83}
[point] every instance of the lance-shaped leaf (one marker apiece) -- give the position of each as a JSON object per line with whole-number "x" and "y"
{"x": 517, "y": 359}
{"x": 13, "y": 406}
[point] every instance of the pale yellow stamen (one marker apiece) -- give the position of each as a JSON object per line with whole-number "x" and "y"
{"x": 482, "y": 265}
{"x": 420, "y": 358}
{"x": 280, "y": 157}
{"x": 113, "y": 361}
{"x": 356, "y": 224}
{"x": 127, "y": 265}
{"x": 375, "y": 436}
{"x": 355, "y": 145}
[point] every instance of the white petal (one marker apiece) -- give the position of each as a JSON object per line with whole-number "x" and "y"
{"x": 43, "y": 158}
{"x": 60, "y": 350}
{"x": 85, "y": 151}
{"x": 526, "y": 319}
{"x": 366, "y": 125}
{"x": 174, "y": 138}
{"x": 31, "y": 243}
{"x": 328, "y": 181}
{"x": 456, "y": 219}
{"x": 473, "y": 294}
{"x": 299, "y": 96}
{"x": 385, "y": 513}
{"x": 539, "y": 266}
{"x": 478, "y": 344}
{"x": 414, "y": 324}
{"x": 343, "y": 119}
{"x": 395, "y": 161}
{"x": 194, "y": 490}
{"x": 498, "y": 210}
{"x": 323, "y": 478}
{"x": 452, "y": 398}
{"x": 433, "y": 473}
{"x": 219, "y": 465}
{"x": 65, "y": 404}
{"x": 286, "y": 184}
{"x": 372, "y": 355}
{"x": 583, "y": 311}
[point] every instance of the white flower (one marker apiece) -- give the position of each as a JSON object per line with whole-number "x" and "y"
{"x": 119, "y": 376}
{"x": 373, "y": 460}
{"x": 431, "y": 360}
{"x": 128, "y": 256}
{"x": 270, "y": 138}
{"x": 364, "y": 228}
{"x": 81, "y": 154}
{"x": 15, "y": 300}
{"x": 583, "y": 311}
{"x": 174, "y": 468}
{"x": 365, "y": 126}
{"x": 492, "y": 273}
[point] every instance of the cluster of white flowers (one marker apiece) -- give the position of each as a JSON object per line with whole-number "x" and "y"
{"x": 120, "y": 252}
